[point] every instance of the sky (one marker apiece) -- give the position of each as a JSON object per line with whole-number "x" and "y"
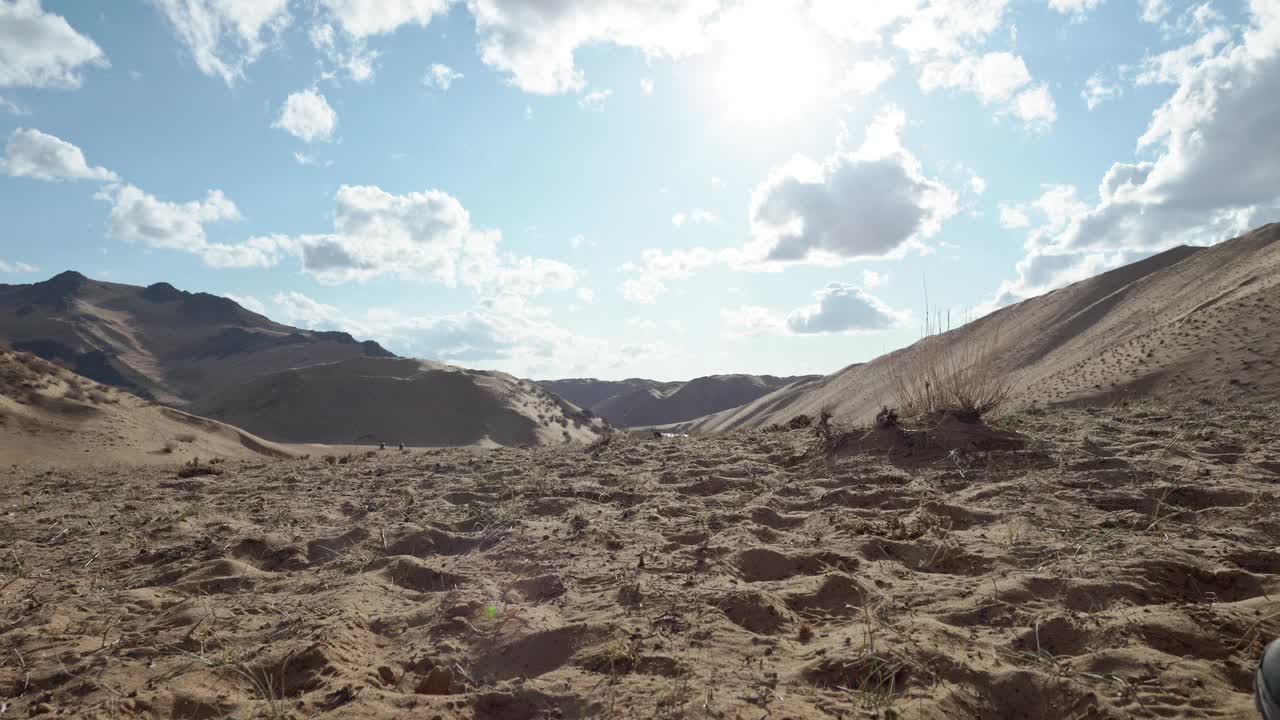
{"x": 629, "y": 188}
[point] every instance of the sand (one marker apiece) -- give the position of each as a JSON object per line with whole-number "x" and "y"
{"x": 642, "y": 403}
{"x": 51, "y": 417}
{"x": 1095, "y": 563}
{"x": 395, "y": 400}
{"x": 1185, "y": 324}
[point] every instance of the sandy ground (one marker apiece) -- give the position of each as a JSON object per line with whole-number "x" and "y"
{"x": 1115, "y": 563}
{"x": 51, "y": 417}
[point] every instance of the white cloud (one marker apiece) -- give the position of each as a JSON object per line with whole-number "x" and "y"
{"x": 993, "y": 77}
{"x": 310, "y": 159}
{"x": 1170, "y": 66}
{"x": 840, "y": 308}
{"x": 658, "y": 267}
{"x": 865, "y": 76}
{"x": 580, "y": 240}
{"x": 872, "y": 279}
{"x": 837, "y": 308}
{"x": 875, "y": 202}
{"x": 247, "y": 302}
{"x": 504, "y": 332}
{"x": 1212, "y": 176}
{"x": 646, "y": 86}
{"x": 976, "y": 183}
{"x": 19, "y": 267}
{"x": 306, "y": 115}
{"x": 1153, "y": 11}
{"x": 225, "y": 36}
{"x": 1013, "y": 217}
{"x": 749, "y": 320}
{"x": 424, "y": 236}
{"x": 586, "y": 295}
{"x": 534, "y": 41}
{"x": 362, "y": 18}
{"x": 717, "y": 182}
{"x": 441, "y": 77}
{"x": 1035, "y": 107}
{"x": 41, "y": 49}
{"x": 697, "y": 216}
{"x": 1097, "y": 90}
{"x": 944, "y": 28}
{"x": 996, "y": 77}
{"x": 594, "y": 100}
{"x": 34, "y": 154}
{"x": 357, "y": 60}
{"x": 1077, "y": 9}
{"x": 137, "y": 216}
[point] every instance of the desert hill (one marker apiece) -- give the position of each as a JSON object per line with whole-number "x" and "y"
{"x": 50, "y": 416}
{"x": 1187, "y": 323}
{"x": 394, "y": 400}
{"x": 159, "y": 342}
{"x": 639, "y": 402}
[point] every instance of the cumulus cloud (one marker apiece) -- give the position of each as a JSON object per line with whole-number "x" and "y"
{"x": 138, "y": 216}
{"x": 41, "y": 49}
{"x": 441, "y": 77}
{"x": 841, "y": 308}
{"x": 646, "y": 86}
{"x": 362, "y": 18}
{"x": 534, "y": 41}
{"x": 306, "y": 115}
{"x": 875, "y": 202}
{"x": 226, "y": 36}
{"x": 865, "y": 76}
{"x": 873, "y": 279}
{"x": 34, "y": 154}
{"x": 1211, "y": 176}
{"x": 594, "y": 100}
{"x": 998, "y": 78}
{"x": 837, "y": 308}
{"x": 945, "y": 28}
{"x": 425, "y": 236}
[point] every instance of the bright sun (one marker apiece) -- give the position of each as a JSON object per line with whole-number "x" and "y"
{"x": 772, "y": 68}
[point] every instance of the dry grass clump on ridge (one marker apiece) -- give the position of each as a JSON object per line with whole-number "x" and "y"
{"x": 959, "y": 378}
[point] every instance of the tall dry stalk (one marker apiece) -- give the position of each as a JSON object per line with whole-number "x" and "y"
{"x": 944, "y": 374}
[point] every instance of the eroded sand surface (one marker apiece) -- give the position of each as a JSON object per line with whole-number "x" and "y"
{"x": 1124, "y": 563}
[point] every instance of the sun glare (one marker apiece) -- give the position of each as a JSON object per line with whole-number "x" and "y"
{"x": 772, "y": 68}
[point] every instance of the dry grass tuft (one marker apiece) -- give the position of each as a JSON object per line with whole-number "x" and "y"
{"x": 940, "y": 375}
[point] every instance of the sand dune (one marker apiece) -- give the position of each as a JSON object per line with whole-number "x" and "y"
{"x": 393, "y": 400}
{"x": 159, "y": 342}
{"x": 737, "y": 576}
{"x": 637, "y": 402}
{"x": 51, "y": 417}
{"x": 1187, "y": 323}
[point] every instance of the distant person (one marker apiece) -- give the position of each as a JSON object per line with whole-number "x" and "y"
{"x": 401, "y": 446}
{"x": 382, "y": 446}
{"x": 1266, "y": 684}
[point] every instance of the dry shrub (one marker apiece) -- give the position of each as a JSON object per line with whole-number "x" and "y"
{"x": 942, "y": 375}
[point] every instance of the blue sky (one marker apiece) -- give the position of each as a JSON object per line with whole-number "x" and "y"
{"x": 617, "y": 188}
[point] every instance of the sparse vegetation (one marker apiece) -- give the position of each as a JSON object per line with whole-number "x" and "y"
{"x": 945, "y": 373}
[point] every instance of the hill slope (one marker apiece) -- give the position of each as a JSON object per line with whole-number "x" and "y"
{"x": 638, "y": 402}
{"x": 1190, "y": 322}
{"x": 158, "y": 342}
{"x": 50, "y": 416}
{"x": 393, "y": 400}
